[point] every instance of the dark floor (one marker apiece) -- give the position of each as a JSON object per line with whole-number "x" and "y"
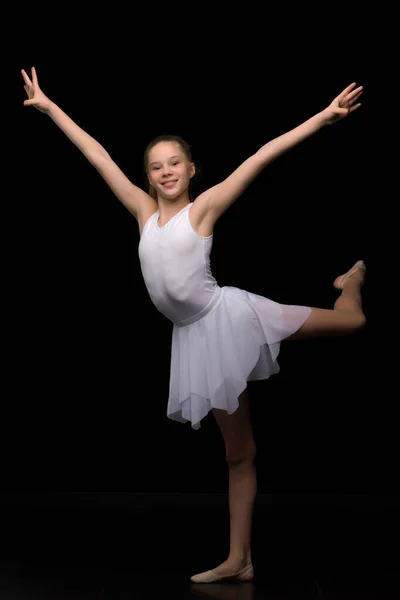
{"x": 145, "y": 546}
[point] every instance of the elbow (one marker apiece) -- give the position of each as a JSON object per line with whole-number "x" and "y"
{"x": 98, "y": 155}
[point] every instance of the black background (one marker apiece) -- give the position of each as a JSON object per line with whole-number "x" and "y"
{"x": 87, "y": 355}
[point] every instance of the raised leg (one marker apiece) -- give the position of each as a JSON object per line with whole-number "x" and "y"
{"x": 347, "y": 315}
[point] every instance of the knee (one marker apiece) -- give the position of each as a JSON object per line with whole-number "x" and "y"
{"x": 245, "y": 455}
{"x": 360, "y": 322}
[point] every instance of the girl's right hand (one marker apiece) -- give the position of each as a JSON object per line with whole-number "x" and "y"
{"x": 34, "y": 93}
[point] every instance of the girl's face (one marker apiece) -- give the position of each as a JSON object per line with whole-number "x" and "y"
{"x": 169, "y": 171}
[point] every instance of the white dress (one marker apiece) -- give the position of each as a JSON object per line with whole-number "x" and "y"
{"x": 222, "y": 337}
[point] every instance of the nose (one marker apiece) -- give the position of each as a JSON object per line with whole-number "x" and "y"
{"x": 167, "y": 171}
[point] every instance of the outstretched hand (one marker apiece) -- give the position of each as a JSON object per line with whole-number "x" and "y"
{"x": 35, "y": 95}
{"x": 344, "y": 104}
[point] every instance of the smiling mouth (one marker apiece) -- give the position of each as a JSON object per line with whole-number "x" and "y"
{"x": 169, "y": 183}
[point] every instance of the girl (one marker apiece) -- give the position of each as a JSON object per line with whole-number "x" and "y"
{"x": 223, "y": 337}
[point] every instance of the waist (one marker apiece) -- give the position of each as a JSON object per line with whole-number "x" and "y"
{"x": 205, "y": 311}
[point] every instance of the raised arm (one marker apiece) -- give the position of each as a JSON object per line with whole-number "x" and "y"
{"x": 133, "y": 197}
{"x": 217, "y": 199}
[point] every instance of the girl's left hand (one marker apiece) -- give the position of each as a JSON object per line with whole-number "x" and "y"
{"x": 344, "y": 104}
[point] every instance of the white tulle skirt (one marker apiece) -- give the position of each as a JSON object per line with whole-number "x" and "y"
{"x": 216, "y": 353}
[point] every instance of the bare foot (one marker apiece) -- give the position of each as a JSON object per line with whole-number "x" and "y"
{"x": 357, "y": 273}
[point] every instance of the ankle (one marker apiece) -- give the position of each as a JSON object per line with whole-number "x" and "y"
{"x": 239, "y": 560}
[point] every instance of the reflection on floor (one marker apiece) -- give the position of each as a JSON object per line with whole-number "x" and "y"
{"x": 102, "y": 546}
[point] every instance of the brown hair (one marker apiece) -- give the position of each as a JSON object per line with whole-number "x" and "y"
{"x": 165, "y": 138}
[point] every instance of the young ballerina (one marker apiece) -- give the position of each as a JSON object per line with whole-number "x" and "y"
{"x": 222, "y": 337}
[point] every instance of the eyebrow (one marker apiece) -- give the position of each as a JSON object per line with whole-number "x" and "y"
{"x": 170, "y": 158}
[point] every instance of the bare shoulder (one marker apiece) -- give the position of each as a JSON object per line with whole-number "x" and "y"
{"x": 147, "y": 207}
{"x": 201, "y": 217}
